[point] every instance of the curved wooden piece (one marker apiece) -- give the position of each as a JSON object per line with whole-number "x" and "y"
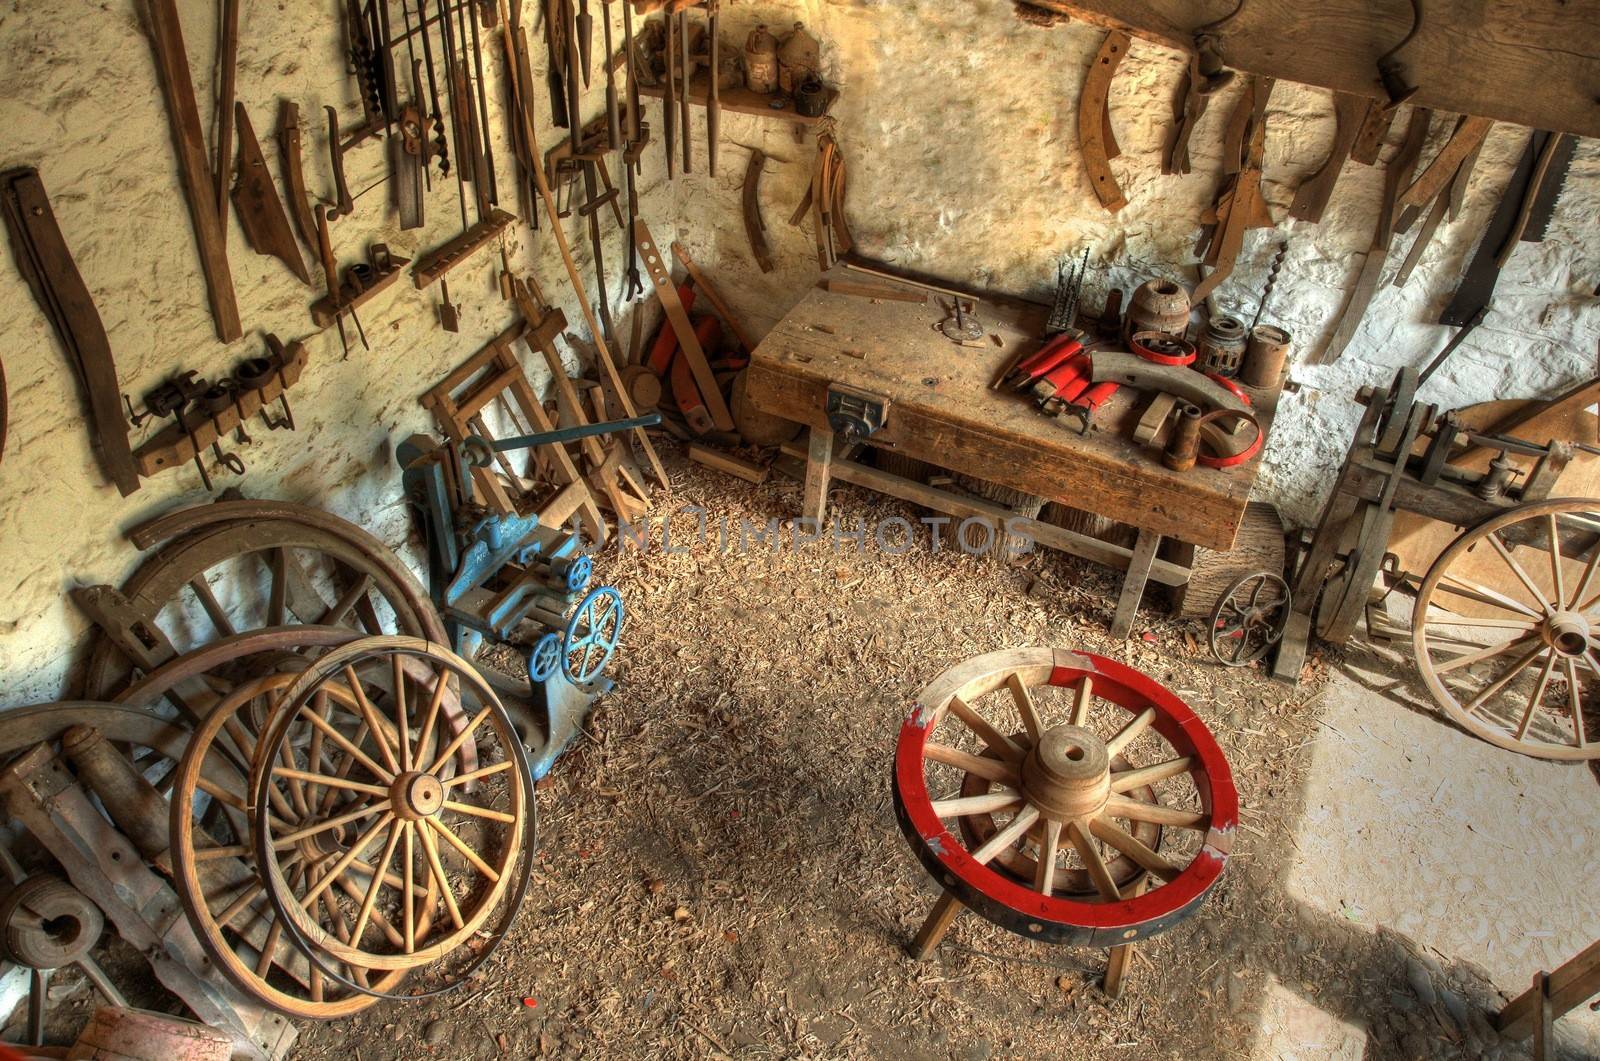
{"x": 1311, "y": 198}
{"x": 755, "y": 229}
{"x": 1094, "y": 121}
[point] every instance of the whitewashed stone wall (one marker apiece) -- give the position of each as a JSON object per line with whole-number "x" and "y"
{"x": 958, "y": 124}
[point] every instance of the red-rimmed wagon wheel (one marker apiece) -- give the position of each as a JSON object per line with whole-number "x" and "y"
{"x": 1106, "y": 818}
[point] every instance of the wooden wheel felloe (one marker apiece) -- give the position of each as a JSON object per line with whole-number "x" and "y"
{"x": 1074, "y": 787}
{"x": 360, "y": 742}
{"x": 1249, "y": 619}
{"x": 214, "y": 871}
{"x": 1514, "y": 670}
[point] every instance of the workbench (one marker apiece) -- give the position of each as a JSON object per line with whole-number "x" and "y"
{"x": 941, "y": 410}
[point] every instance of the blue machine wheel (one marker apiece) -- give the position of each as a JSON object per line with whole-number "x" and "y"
{"x": 579, "y": 573}
{"x": 591, "y": 636}
{"x": 545, "y": 658}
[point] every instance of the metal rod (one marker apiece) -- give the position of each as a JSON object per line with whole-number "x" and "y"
{"x": 573, "y": 434}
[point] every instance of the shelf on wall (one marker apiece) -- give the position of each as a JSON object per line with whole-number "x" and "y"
{"x": 741, "y": 100}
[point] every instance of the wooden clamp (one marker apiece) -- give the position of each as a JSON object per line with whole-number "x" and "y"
{"x": 177, "y": 444}
{"x": 1095, "y": 138}
{"x": 431, "y": 266}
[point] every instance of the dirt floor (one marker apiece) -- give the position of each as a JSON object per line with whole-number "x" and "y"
{"x": 721, "y": 872}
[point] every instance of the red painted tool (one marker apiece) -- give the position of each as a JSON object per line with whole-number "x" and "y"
{"x": 1049, "y": 357}
{"x": 666, "y": 344}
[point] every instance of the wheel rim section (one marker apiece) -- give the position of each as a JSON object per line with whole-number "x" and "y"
{"x": 1569, "y": 607}
{"x": 1015, "y": 906}
{"x": 418, "y": 787}
{"x": 226, "y": 778}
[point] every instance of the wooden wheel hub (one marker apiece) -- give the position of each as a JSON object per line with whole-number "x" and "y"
{"x": 1568, "y": 633}
{"x": 1068, "y": 773}
{"x": 416, "y": 795}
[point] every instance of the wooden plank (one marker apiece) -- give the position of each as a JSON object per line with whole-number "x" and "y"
{"x": 1133, "y": 583}
{"x": 194, "y": 169}
{"x": 1462, "y": 143}
{"x": 1569, "y": 986}
{"x": 819, "y": 468}
{"x": 1549, "y": 51}
{"x": 747, "y": 470}
{"x": 713, "y": 296}
{"x": 439, "y": 261}
{"x": 891, "y": 294}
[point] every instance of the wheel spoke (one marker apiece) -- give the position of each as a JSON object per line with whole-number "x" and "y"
{"x": 408, "y": 913}
{"x": 1119, "y": 838}
{"x": 213, "y": 609}
{"x": 481, "y": 772}
{"x": 1093, "y": 862}
{"x": 987, "y": 803}
{"x": 1049, "y": 843}
{"x": 1490, "y": 624}
{"x": 371, "y": 898}
{"x": 1014, "y": 831}
{"x": 998, "y": 742}
{"x": 1124, "y": 780}
{"x": 1483, "y": 594}
{"x": 479, "y": 812}
{"x": 1516, "y": 569}
{"x": 1469, "y": 658}
{"x": 1126, "y": 734}
{"x": 370, "y": 716}
{"x": 1505, "y": 679}
{"x": 1538, "y": 695}
{"x": 330, "y": 781}
{"x": 1586, "y": 578}
{"x": 1557, "y": 577}
{"x": 431, "y": 850}
{"x": 459, "y": 740}
{"x": 977, "y": 765}
{"x": 403, "y": 741}
{"x": 332, "y": 823}
{"x": 1025, "y": 706}
{"x": 461, "y": 845}
{"x": 1575, "y": 700}
{"x": 1082, "y": 701}
{"x": 237, "y": 907}
{"x": 340, "y": 609}
{"x": 1140, "y": 811}
{"x": 344, "y": 742}
{"x": 429, "y": 717}
{"x": 356, "y": 894}
{"x": 220, "y": 794}
{"x": 363, "y": 842}
{"x": 277, "y": 609}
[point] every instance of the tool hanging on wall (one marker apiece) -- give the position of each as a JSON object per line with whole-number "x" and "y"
{"x": 1239, "y": 205}
{"x": 1311, "y": 198}
{"x": 200, "y": 181}
{"x": 1391, "y": 71}
{"x": 255, "y": 197}
{"x": 1395, "y": 177}
{"x": 613, "y": 99}
{"x": 1453, "y": 165}
{"x": 440, "y": 145}
{"x": 1187, "y": 109}
{"x": 755, "y": 229}
{"x": 1069, "y": 285}
{"x": 516, "y": 42}
{"x": 669, "y": 101}
{"x": 685, "y": 75}
{"x": 46, "y": 264}
{"x": 344, "y": 205}
{"x": 291, "y": 164}
{"x": 713, "y": 86}
{"x": 1095, "y": 137}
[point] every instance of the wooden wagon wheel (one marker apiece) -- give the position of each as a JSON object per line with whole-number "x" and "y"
{"x": 1057, "y": 782}
{"x": 214, "y": 872}
{"x": 1516, "y": 679}
{"x": 391, "y": 772}
{"x": 239, "y": 577}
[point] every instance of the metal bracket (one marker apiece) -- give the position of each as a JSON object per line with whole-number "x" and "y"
{"x": 855, "y": 414}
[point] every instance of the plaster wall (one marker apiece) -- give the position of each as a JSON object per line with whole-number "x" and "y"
{"x": 80, "y": 101}
{"x": 959, "y": 126}
{"x": 958, "y": 123}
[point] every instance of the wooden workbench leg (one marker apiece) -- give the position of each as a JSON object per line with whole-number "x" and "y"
{"x": 1133, "y": 583}
{"x": 935, "y": 926}
{"x": 819, "y": 462}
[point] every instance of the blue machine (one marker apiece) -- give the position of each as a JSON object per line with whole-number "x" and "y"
{"x": 490, "y": 572}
